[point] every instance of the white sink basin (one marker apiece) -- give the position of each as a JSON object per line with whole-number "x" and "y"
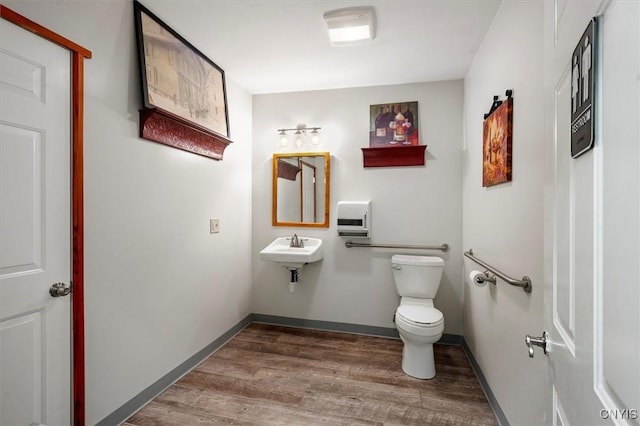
{"x": 280, "y": 251}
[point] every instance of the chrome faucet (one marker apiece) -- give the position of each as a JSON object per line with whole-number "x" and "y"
{"x": 296, "y": 242}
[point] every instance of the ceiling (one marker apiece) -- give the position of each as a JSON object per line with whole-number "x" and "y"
{"x": 271, "y": 46}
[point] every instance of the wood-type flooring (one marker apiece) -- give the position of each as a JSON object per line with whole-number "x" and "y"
{"x": 273, "y": 375}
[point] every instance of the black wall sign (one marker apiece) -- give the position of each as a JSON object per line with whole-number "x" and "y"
{"x": 583, "y": 63}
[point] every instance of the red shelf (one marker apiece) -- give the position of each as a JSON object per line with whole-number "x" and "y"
{"x": 166, "y": 129}
{"x": 392, "y": 156}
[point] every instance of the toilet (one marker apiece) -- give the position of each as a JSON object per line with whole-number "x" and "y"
{"x": 419, "y": 323}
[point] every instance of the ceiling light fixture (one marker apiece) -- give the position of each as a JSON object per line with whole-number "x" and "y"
{"x": 300, "y": 136}
{"x": 350, "y": 26}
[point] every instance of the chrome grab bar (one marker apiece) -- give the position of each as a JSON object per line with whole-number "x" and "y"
{"x": 525, "y": 282}
{"x": 443, "y": 247}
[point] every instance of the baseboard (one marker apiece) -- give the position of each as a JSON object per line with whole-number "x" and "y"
{"x": 368, "y": 330}
{"x": 144, "y": 397}
{"x": 140, "y": 400}
{"x": 493, "y": 402}
{"x": 451, "y": 339}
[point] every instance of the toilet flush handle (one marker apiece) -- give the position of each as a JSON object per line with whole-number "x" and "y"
{"x": 396, "y": 267}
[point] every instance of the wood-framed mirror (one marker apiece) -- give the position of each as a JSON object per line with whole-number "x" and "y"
{"x": 301, "y": 184}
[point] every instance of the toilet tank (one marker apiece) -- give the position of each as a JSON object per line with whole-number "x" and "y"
{"x": 417, "y": 276}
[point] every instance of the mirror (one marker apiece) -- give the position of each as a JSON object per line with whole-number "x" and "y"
{"x": 301, "y": 189}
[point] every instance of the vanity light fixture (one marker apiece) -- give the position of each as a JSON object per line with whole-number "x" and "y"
{"x": 299, "y": 136}
{"x": 349, "y": 26}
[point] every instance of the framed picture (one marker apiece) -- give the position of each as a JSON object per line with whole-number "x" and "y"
{"x": 394, "y": 124}
{"x": 177, "y": 78}
{"x": 496, "y": 144}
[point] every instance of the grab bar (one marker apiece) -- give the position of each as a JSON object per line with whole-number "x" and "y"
{"x": 443, "y": 247}
{"x": 525, "y": 282}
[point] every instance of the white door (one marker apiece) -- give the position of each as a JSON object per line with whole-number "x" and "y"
{"x": 592, "y": 219}
{"x": 35, "y": 345}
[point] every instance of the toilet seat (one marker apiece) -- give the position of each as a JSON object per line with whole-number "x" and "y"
{"x": 420, "y": 316}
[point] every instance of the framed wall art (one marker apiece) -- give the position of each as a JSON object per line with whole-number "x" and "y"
{"x": 394, "y": 136}
{"x": 497, "y": 140}
{"x": 394, "y": 124}
{"x": 183, "y": 91}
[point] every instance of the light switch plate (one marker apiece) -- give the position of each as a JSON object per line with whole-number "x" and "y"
{"x": 214, "y": 226}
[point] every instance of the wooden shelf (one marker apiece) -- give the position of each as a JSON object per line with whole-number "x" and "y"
{"x": 166, "y": 129}
{"x": 393, "y": 156}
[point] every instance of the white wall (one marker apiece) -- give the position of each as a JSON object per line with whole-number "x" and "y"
{"x": 504, "y": 223}
{"x": 410, "y": 205}
{"x": 158, "y": 286}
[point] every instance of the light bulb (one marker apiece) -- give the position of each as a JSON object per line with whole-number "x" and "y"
{"x": 315, "y": 137}
{"x": 298, "y": 139}
{"x": 282, "y": 139}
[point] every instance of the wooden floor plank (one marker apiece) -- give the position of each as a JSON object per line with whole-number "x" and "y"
{"x": 275, "y": 375}
{"x": 242, "y": 410}
{"x": 156, "y": 413}
{"x": 387, "y": 412}
{"x": 345, "y": 387}
{"x": 282, "y": 362}
{"x": 278, "y": 391}
{"x": 345, "y": 355}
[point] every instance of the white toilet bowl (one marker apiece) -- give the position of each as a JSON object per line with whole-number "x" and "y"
{"x": 419, "y": 323}
{"x": 419, "y": 326}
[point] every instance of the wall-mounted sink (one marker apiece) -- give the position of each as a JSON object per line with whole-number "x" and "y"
{"x": 280, "y": 251}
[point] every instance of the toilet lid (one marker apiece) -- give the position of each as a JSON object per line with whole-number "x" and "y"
{"x": 420, "y": 314}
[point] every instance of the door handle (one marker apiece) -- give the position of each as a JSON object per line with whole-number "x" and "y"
{"x": 59, "y": 290}
{"x": 543, "y": 342}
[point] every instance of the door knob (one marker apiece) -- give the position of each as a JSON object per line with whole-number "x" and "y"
{"x": 59, "y": 290}
{"x": 537, "y": 341}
